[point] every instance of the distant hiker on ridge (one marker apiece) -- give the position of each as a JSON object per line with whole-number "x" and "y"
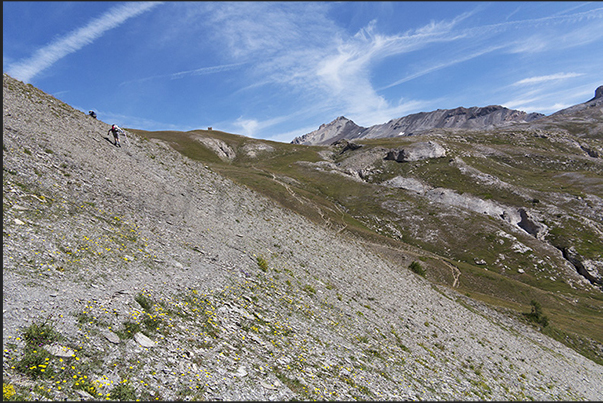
{"x": 92, "y": 113}
{"x": 115, "y": 130}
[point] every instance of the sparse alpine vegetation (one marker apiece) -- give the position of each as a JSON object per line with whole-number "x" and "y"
{"x": 164, "y": 271}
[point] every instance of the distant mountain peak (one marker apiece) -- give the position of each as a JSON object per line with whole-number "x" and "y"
{"x": 328, "y": 133}
{"x": 460, "y": 117}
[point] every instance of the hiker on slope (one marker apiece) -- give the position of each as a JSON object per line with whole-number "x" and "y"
{"x": 92, "y": 113}
{"x": 115, "y": 130}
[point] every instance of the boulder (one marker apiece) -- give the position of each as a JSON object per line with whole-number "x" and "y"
{"x": 417, "y": 151}
{"x": 112, "y": 337}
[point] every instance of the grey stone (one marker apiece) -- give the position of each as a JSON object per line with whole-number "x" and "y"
{"x": 59, "y": 351}
{"x": 112, "y": 337}
{"x": 144, "y": 340}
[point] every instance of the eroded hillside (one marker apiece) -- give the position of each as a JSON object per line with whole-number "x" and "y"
{"x": 507, "y": 216}
{"x": 141, "y": 272}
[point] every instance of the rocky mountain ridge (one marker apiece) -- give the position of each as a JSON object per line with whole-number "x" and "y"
{"x": 594, "y": 102}
{"x": 461, "y": 118}
{"x": 162, "y": 280}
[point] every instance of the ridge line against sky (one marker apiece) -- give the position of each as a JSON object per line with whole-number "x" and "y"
{"x": 278, "y": 70}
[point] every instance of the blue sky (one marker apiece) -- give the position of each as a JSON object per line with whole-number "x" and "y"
{"x": 277, "y": 70}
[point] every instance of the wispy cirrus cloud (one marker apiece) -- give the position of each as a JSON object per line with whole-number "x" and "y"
{"x": 287, "y": 46}
{"x": 46, "y": 56}
{"x": 304, "y": 50}
{"x": 551, "y": 77}
{"x": 444, "y": 64}
{"x": 344, "y": 72}
{"x": 183, "y": 74}
{"x": 545, "y": 100}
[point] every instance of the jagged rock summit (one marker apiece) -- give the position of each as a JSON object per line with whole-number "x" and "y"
{"x": 594, "y": 102}
{"x": 598, "y": 93}
{"x": 329, "y": 133}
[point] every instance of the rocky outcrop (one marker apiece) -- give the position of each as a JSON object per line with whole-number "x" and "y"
{"x": 412, "y": 184}
{"x": 253, "y": 150}
{"x": 452, "y": 198}
{"x": 589, "y": 269}
{"x": 598, "y": 94}
{"x": 222, "y": 150}
{"x": 530, "y": 225}
{"x": 416, "y": 152}
{"x": 345, "y": 145}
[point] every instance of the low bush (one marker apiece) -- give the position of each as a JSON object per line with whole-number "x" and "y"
{"x": 123, "y": 391}
{"x": 262, "y": 263}
{"x": 536, "y": 314}
{"x": 417, "y": 268}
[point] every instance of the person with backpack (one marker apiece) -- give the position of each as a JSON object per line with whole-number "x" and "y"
{"x": 92, "y": 113}
{"x": 115, "y": 130}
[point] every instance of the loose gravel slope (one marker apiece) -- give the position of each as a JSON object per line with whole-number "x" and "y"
{"x": 167, "y": 281}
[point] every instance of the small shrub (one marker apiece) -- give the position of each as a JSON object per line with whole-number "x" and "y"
{"x": 36, "y": 335}
{"x": 143, "y": 301}
{"x": 309, "y": 289}
{"x": 151, "y": 323}
{"x": 417, "y": 268}
{"x": 35, "y": 362}
{"x": 129, "y": 330}
{"x": 536, "y": 315}
{"x": 262, "y": 263}
{"x": 86, "y": 386}
{"x": 363, "y": 339}
{"x": 123, "y": 391}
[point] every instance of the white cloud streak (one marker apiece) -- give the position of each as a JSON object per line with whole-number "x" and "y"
{"x": 551, "y": 77}
{"x": 45, "y": 57}
{"x": 205, "y": 70}
{"x": 444, "y": 65}
{"x": 194, "y": 72}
